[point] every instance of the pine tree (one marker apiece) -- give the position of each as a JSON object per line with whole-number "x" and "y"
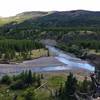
{"x": 84, "y": 85}
{"x": 29, "y": 77}
{"x": 69, "y": 89}
{"x": 70, "y": 85}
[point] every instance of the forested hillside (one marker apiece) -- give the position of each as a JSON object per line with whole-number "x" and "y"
{"x": 75, "y": 31}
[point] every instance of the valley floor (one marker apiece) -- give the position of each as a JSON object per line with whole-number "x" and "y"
{"x": 43, "y": 64}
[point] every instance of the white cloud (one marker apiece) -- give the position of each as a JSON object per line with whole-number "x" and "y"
{"x": 12, "y": 7}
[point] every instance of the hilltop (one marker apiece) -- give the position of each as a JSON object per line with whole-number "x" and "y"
{"x": 56, "y": 18}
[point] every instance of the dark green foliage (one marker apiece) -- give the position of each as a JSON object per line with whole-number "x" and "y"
{"x": 25, "y": 79}
{"x": 60, "y": 91}
{"x": 9, "y": 48}
{"x": 29, "y": 94}
{"x": 70, "y": 87}
{"x": 85, "y": 86}
{"x": 67, "y": 92}
{"x": 73, "y": 90}
{"x": 70, "y": 84}
{"x": 69, "y": 19}
{"x": 5, "y": 80}
{"x": 29, "y": 79}
{"x": 18, "y": 45}
{"x": 19, "y": 84}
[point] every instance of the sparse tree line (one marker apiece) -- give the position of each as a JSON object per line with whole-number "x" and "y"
{"x": 75, "y": 90}
{"x": 80, "y": 48}
{"x": 11, "y": 48}
{"x": 22, "y": 80}
{"x": 26, "y": 80}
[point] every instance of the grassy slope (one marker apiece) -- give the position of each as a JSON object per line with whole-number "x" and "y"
{"x": 66, "y": 18}
{"x": 3, "y": 21}
{"x": 21, "y": 17}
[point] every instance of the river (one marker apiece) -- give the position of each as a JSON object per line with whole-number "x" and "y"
{"x": 70, "y": 59}
{"x": 69, "y": 62}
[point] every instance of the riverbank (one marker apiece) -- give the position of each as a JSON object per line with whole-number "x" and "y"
{"x": 56, "y": 62}
{"x": 30, "y": 55}
{"x": 39, "y": 62}
{"x": 43, "y": 64}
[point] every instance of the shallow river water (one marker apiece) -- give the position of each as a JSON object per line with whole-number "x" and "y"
{"x": 69, "y": 62}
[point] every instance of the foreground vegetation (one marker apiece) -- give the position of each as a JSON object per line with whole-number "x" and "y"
{"x": 32, "y": 86}
{"x": 13, "y": 85}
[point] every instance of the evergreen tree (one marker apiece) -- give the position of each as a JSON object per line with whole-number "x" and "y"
{"x": 84, "y": 85}
{"x": 0, "y": 54}
{"x": 6, "y": 80}
{"x": 29, "y": 77}
{"x": 61, "y": 92}
{"x": 7, "y": 56}
{"x": 70, "y": 85}
{"x": 67, "y": 93}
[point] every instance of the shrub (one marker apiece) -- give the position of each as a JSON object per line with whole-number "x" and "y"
{"x": 6, "y": 80}
{"x": 18, "y": 85}
{"x": 29, "y": 94}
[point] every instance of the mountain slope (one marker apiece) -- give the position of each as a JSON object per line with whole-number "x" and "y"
{"x": 70, "y": 18}
{"x": 56, "y": 19}
{"x": 22, "y": 17}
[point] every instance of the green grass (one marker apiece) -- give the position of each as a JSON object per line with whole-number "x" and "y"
{"x": 53, "y": 82}
{"x": 56, "y": 81}
{"x": 39, "y": 53}
{"x": 53, "y": 79}
{"x": 4, "y": 21}
{"x": 42, "y": 94}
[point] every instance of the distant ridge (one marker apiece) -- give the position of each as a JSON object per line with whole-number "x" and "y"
{"x": 56, "y": 18}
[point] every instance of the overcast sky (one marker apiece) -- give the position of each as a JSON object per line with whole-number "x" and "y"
{"x": 12, "y": 7}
